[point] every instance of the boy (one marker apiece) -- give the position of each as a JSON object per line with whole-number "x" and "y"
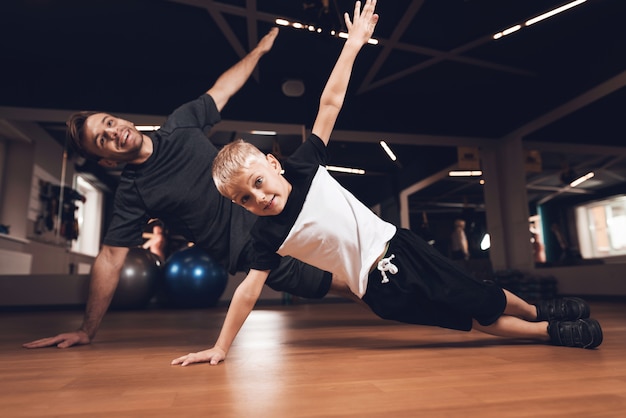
{"x": 306, "y": 214}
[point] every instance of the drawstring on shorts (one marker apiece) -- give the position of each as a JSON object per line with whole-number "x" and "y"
{"x": 384, "y": 265}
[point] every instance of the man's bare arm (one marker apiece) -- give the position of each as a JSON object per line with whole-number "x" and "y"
{"x": 236, "y": 76}
{"x": 104, "y": 279}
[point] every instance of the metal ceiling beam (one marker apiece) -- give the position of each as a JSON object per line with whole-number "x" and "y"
{"x": 609, "y": 86}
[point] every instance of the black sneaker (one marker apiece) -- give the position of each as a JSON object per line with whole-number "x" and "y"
{"x": 562, "y": 309}
{"x": 583, "y": 333}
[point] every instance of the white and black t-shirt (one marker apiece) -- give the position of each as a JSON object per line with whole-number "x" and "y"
{"x": 322, "y": 223}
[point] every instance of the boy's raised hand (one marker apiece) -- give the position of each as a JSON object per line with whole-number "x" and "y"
{"x": 361, "y": 28}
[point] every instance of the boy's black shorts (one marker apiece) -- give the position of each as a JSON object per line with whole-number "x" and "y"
{"x": 430, "y": 289}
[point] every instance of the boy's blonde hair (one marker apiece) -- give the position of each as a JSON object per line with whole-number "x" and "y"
{"x": 231, "y": 159}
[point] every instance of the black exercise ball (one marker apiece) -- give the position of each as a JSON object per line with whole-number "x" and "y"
{"x": 193, "y": 279}
{"x": 139, "y": 278}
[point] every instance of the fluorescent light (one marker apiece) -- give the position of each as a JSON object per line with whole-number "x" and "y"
{"x": 507, "y": 31}
{"x": 388, "y": 150}
{"x": 582, "y": 179}
{"x": 297, "y": 25}
{"x": 269, "y": 133}
{"x": 344, "y": 35}
{"x": 485, "y": 243}
{"x": 538, "y": 18}
{"x": 311, "y": 28}
{"x": 465, "y": 173}
{"x": 144, "y": 128}
{"x": 345, "y": 169}
{"x": 554, "y": 12}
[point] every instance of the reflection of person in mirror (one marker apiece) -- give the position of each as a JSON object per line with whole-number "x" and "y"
{"x": 459, "y": 245}
{"x": 561, "y": 240}
{"x": 156, "y": 242}
{"x": 539, "y": 252}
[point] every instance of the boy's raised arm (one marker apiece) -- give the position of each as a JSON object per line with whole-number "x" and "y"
{"x": 360, "y": 30}
{"x": 244, "y": 299}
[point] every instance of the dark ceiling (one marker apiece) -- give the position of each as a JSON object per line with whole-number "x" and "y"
{"x": 435, "y": 81}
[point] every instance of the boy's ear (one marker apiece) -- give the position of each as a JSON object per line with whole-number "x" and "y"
{"x": 107, "y": 163}
{"x": 274, "y": 163}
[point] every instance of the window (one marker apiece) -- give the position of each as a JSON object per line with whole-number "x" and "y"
{"x": 601, "y": 227}
{"x": 89, "y": 217}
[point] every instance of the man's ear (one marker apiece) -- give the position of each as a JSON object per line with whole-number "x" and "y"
{"x": 274, "y": 163}
{"x": 107, "y": 163}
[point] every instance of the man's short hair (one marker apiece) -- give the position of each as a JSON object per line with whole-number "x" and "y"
{"x": 75, "y": 126}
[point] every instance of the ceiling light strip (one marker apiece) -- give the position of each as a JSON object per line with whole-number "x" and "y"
{"x": 539, "y": 18}
{"x": 582, "y": 179}
{"x": 465, "y": 173}
{"x": 388, "y": 151}
{"x": 147, "y": 128}
{"x": 311, "y": 28}
{"x": 266, "y": 133}
{"x": 553, "y": 12}
{"x": 345, "y": 169}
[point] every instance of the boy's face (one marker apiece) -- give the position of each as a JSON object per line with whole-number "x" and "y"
{"x": 260, "y": 188}
{"x": 113, "y": 139}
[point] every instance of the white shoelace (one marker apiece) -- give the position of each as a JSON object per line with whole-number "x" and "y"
{"x": 386, "y": 265}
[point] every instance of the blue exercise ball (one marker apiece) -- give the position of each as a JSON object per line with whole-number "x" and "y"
{"x": 139, "y": 279}
{"x": 192, "y": 279}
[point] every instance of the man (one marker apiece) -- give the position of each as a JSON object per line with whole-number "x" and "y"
{"x": 168, "y": 176}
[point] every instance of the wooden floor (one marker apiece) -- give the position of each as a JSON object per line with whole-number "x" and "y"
{"x": 304, "y": 360}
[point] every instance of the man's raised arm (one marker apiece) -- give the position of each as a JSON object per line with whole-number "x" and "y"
{"x": 236, "y": 76}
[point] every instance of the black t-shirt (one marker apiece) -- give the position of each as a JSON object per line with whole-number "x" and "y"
{"x": 175, "y": 186}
